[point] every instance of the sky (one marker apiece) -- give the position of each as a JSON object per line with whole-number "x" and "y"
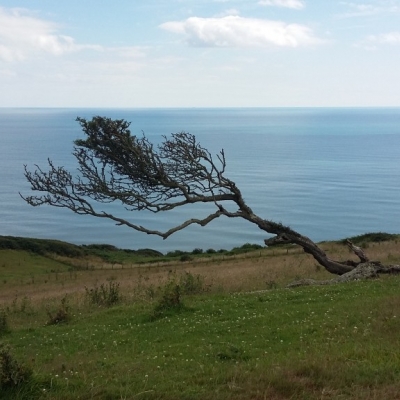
{"x": 199, "y": 53}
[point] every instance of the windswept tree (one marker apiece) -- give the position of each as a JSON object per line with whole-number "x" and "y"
{"x": 117, "y": 166}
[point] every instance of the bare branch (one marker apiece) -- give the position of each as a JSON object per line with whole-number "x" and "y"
{"x": 358, "y": 251}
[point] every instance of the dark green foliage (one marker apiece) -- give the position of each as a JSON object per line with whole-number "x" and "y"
{"x": 176, "y": 253}
{"x": 113, "y": 254}
{"x": 107, "y": 247}
{"x": 170, "y": 301}
{"x": 12, "y": 373}
{"x": 185, "y": 257}
{"x": 4, "y": 327}
{"x": 373, "y": 237}
{"x": 46, "y": 247}
{"x": 246, "y": 248}
{"x": 62, "y": 315}
{"x": 197, "y": 251}
{"x": 110, "y": 253}
{"x": 99, "y": 248}
{"x": 104, "y": 295}
{"x": 147, "y": 252}
{"x": 41, "y": 246}
{"x": 192, "y": 284}
{"x": 250, "y": 247}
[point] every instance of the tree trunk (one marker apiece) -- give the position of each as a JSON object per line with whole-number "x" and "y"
{"x": 347, "y": 270}
{"x": 285, "y": 235}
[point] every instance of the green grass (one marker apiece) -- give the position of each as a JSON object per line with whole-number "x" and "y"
{"x": 22, "y": 265}
{"x": 333, "y": 342}
{"x": 109, "y": 253}
{"x": 311, "y": 343}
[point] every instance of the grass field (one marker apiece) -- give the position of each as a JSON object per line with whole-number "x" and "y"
{"x": 232, "y": 331}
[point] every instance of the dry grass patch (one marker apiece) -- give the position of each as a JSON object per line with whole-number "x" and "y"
{"x": 37, "y": 277}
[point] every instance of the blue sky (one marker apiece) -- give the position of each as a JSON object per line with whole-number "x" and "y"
{"x": 199, "y": 53}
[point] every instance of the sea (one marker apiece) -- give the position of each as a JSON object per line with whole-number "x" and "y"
{"x": 328, "y": 173}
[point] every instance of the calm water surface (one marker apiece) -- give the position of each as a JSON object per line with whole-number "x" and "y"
{"x": 328, "y": 173}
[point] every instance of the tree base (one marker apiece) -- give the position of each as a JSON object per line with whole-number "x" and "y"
{"x": 366, "y": 270}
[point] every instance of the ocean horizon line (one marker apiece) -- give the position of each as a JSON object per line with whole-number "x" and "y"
{"x": 194, "y": 107}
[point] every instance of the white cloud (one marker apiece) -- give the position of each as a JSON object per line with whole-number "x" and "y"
{"x": 22, "y": 35}
{"x": 364, "y": 10}
{"x": 372, "y": 41}
{"x": 235, "y": 31}
{"x": 385, "y": 38}
{"x": 295, "y": 4}
{"x": 230, "y": 11}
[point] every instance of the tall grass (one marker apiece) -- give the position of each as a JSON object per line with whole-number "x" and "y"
{"x": 234, "y": 331}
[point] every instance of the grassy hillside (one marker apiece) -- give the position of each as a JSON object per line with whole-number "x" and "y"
{"x": 215, "y": 327}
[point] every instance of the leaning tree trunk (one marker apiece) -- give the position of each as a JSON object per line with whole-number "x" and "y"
{"x": 348, "y": 270}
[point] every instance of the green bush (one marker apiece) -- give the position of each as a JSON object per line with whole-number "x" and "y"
{"x": 4, "y": 327}
{"x": 185, "y": 257}
{"x": 104, "y": 295}
{"x": 197, "y": 251}
{"x": 246, "y": 248}
{"x": 192, "y": 284}
{"x": 372, "y": 237}
{"x": 169, "y": 302}
{"x": 148, "y": 253}
{"x": 12, "y": 373}
{"x": 62, "y": 315}
{"x": 175, "y": 253}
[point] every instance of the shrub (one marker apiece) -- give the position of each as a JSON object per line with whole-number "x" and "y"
{"x": 12, "y": 373}
{"x": 23, "y": 306}
{"x": 175, "y": 253}
{"x": 191, "y": 284}
{"x": 185, "y": 257}
{"x": 169, "y": 302}
{"x": 61, "y": 316}
{"x": 372, "y": 237}
{"x": 197, "y": 251}
{"x": 104, "y": 295}
{"x": 4, "y": 327}
{"x": 148, "y": 253}
{"x": 171, "y": 297}
{"x": 246, "y": 248}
